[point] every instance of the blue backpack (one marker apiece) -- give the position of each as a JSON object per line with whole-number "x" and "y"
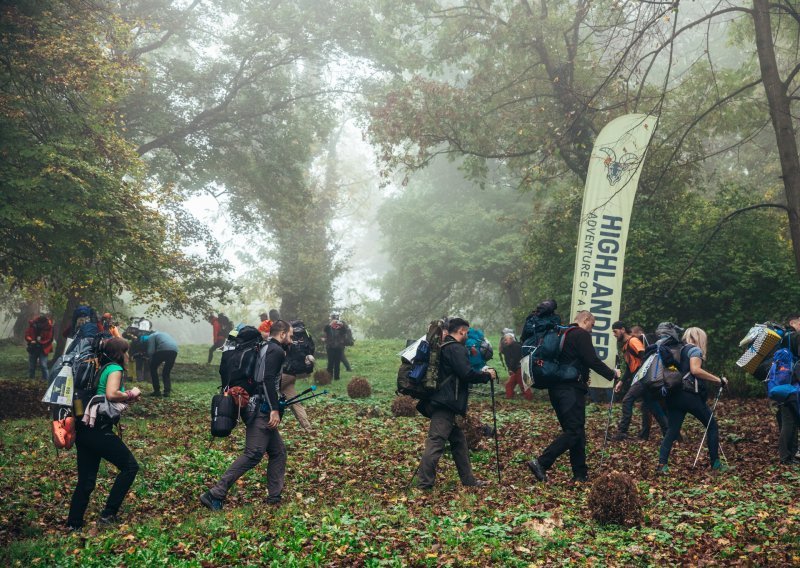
{"x": 478, "y": 348}
{"x": 780, "y": 382}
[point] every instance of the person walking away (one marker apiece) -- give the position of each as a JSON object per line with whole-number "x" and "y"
{"x": 161, "y": 348}
{"x": 99, "y": 442}
{"x": 632, "y": 350}
{"x": 511, "y": 354}
{"x": 569, "y": 400}
{"x": 39, "y": 337}
{"x": 449, "y": 401}
{"x": 691, "y": 399}
{"x": 334, "y": 335}
{"x": 299, "y": 364}
{"x": 219, "y": 333}
{"x": 262, "y": 422}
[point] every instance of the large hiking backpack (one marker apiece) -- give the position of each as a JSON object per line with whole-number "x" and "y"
{"x": 534, "y": 330}
{"x": 479, "y": 349}
{"x": 419, "y": 378}
{"x": 780, "y": 379}
{"x": 761, "y": 343}
{"x": 238, "y": 365}
{"x": 339, "y": 335}
{"x": 302, "y": 346}
{"x": 665, "y": 368}
{"x": 225, "y": 325}
{"x": 543, "y": 365}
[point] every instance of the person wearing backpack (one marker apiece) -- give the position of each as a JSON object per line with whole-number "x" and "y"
{"x": 299, "y": 363}
{"x": 632, "y": 350}
{"x": 262, "y": 422}
{"x": 447, "y": 402}
{"x": 221, "y": 326}
{"x": 161, "y": 348}
{"x": 39, "y": 337}
{"x": 690, "y": 398}
{"x": 569, "y": 400}
{"x": 336, "y": 336}
{"x": 511, "y": 354}
{"x": 99, "y": 442}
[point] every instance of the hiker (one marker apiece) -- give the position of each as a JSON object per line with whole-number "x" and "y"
{"x": 336, "y": 336}
{"x": 39, "y": 337}
{"x": 632, "y": 350}
{"x": 788, "y": 409}
{"x": 449, "y": 401}
{"x": 97, "y": 442}
{"x": 511, "y": 354}
{"x": 108, "y": 325}
{"x": 569, "y": 400}
{"x": 266, "y": 323}
{"x": 299, "y": 364}
{"x": 220, "y": 328}
{"x": 681, "y": 401}
{"x": 262, "y": 424}
{"x": 161, "y": 348}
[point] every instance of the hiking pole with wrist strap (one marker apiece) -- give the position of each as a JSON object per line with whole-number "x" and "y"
{"x": 494, "y": 419}
{"x": 703, "y": 441}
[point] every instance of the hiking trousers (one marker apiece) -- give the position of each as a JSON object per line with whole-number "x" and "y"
{"x": 37, "y": 359}
{"x": 790, "y": 422}
{"x": 214, "y": 346}
{"x": 443, "y": 429}
{"x": 168, "y": 358}
{"x": 569, "y": 402}
{"x": 335, "y": 355}
{"x": 514, "y": 380}
{"x": 92, "y": 445}
{"x": 289, "y": 391}
{"x": 258, "y": 441}
{"x": 649, "y": 405}
{"x": 679, "y": 404}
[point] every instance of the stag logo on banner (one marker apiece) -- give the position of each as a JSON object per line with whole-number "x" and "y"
{"x": 615, "y": 168}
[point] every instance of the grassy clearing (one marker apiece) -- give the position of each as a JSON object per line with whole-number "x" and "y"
{"x": 347, "y": 501}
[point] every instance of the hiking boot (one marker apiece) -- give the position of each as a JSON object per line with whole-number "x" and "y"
{"x": 662, "y": 469}
{"x": 209, "y": 501}
{"x": 274, "y": 500}
{"x": 477, "y": 483}
{"x": 619, "y": 437}
{"x": 107, "y": 520}
{"x": 790, "y": 461}
{"x": 166, "y": 394}
{"x": 580, "y": 478}
{"x": 644, "y": 436}
{"x": 719, "y": 466}
{"x": 74, "y": 529}
{"x": 537, "y": 470}
{"x": 155, "y": 393}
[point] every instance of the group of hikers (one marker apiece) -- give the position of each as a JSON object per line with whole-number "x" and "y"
{"x": 264, "y": 362}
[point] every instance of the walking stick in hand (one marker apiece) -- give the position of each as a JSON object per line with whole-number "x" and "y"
{"x": 703, "y": 441}
{"x": 494, "y": 419}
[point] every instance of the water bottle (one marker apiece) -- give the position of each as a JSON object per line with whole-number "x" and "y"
{"x": 77, "y": 407}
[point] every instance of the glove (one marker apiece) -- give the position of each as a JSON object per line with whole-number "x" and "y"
{"x": 310, "y": 359}
{"x": 724, "y": 383}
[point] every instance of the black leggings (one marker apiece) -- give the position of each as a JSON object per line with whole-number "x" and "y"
{"x": 94, "y": 444}
{"x": 168, "y": 358}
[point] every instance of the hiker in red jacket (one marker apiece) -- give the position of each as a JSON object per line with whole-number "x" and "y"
{"x": 39, "y": 337}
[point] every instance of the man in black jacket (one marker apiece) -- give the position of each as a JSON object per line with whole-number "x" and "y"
{"x": 569, "y": 400}
{"x": 262, "y": 428}
{"x": 448, "y": 401}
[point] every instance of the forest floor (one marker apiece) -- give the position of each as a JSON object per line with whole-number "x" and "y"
{"x": 347, "y": 500}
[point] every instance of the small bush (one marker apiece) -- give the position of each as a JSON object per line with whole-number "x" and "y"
{"x": 614, "y": 499}
{"x": 322, "y": 377}
{"x": 404, "y": 405}
{"x": 358, "y": 387}
{"x": 474, "y": 431}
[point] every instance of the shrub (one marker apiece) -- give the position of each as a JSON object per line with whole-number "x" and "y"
{"x": 614, "y": 499}
{"x": 358, "y": 387}
{"x": 404, "y": 405}
{"x": 474, "y": 430}
{"x": 322, "y": 377}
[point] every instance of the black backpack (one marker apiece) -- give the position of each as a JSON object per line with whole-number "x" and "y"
{"x": 302, "y": 346}
{"x": 544, "y": 365}
{"x": 665, "y": 367}
{"x": 225, "y": 325}
{"x": 238, "y": 365}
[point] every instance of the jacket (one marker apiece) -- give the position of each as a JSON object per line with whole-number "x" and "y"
{"x": 40, "y": 334}
{"x": 512, "y": 354}
{"x": 455, "y": 377}
{"x": 579, "y": 351}
{"x": 160, "y": 341}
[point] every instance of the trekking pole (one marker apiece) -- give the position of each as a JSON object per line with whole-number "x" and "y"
{"x": 703, "y": 441}
{"x": 494, "y": 419}
{"x": 608, "y": 422}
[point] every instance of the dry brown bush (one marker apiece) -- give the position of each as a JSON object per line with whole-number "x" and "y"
{"x": 404, "y": 405}
{"x": 359, "y": 387}
{"x": 614, "y": 499}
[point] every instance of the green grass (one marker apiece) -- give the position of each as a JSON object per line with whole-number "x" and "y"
{"x": 347, "y": 501}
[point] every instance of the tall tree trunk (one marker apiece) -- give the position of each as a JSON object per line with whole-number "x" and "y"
{"x": 780, "y": 112}
{"x": 63, "y": 323}
{"x": 27, "y": 311}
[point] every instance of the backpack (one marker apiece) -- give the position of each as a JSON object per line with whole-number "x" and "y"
{"x": 338, "y": 335}
{"x": 534, "y": 329}
{"x": 420, "y": 378}
{"x": 780, "y": 380}
{"x": 238, "y": 365}
{"x": 665, "y": 368}
{"x": 88, "y": 365}
{"x": 302, "y": 346}
{"x": 225, "y": 325}
{"x": 544, "y": 366}
{"x": 224, "y": 415}
{"x": 761, "y": 343}
{"x": 478, "y": 348}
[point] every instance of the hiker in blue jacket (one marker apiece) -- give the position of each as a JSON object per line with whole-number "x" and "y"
{"x": 161, "y": 348}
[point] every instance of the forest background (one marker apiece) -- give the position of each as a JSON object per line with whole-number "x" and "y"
{"x": 394, "y": 161}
